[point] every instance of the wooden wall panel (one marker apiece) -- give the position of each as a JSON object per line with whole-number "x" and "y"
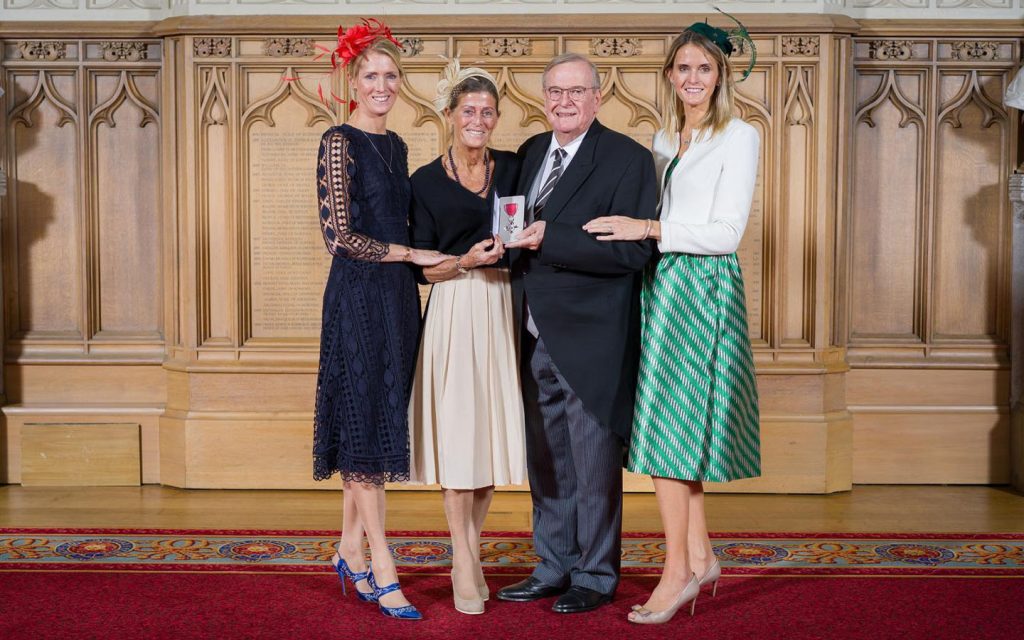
{"x": 80, "y": 454}
{"x": 928, "y": 389}
{"x": 885, "y": 215}
{"x": 44, "y": 231}
{"x": 923, "y": 446}
{"x": 15, "y": 417}
{"x": 928, "y": 215}
{"x": 215, "y": 173}
{"x": 929, "y": 425}
{"x": 126, "y": 184}
{"x": 83, "y": 242}
{"x": 875, "y": 248}
{"x": 797, "y": 246}
{"x": 83, "y": 256}
{"x": 754, "y": 98}
{"x": 970, "y": 209}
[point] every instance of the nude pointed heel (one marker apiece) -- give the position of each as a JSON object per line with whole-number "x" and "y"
{"x": 712, "y": 576}
{"x": 481, "y": 586}
{"x": 468, "y": 606}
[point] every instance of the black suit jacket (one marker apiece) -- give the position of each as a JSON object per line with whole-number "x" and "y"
{"x": 584, "y": 294}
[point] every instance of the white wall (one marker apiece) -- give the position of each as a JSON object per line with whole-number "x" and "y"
{"x": 157, "y": 9}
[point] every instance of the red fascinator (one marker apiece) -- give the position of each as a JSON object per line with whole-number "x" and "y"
{"x": 355, "y": 40}
{"x": 351, "y": 42}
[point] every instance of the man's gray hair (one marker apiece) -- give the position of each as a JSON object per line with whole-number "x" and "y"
{"x": 572, "y": 57}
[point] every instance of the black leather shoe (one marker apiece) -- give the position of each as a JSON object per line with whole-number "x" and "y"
{"x": 528, "y": 590}
{"x": 580, "y": 599}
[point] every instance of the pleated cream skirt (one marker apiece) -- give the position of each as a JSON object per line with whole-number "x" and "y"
{"x": 466, "y": 423}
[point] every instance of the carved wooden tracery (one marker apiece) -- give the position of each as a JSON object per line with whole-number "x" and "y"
{"x": 212, "y": 47}
{"x": 928, "y": 106}
{"x": 499, "y": 47}
{"x": 128, "y": 51}
{"x": 42, "y": 50}
{"x": 975, "y": 50}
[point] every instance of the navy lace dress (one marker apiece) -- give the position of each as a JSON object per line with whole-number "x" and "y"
{"x": 371, "y": 310}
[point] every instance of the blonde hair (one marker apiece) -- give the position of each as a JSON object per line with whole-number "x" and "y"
{"x": 383, "y": 46}
{"x": 722, "y": 99}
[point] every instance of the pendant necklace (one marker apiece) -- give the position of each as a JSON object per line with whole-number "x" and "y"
{"x": 391, "y": 150}
{"x": 487, "y": 173}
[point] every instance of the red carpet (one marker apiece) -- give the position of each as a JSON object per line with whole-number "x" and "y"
{"x": 85, "y": 604}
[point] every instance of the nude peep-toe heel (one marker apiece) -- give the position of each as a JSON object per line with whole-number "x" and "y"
{"x": 641, "y": 615}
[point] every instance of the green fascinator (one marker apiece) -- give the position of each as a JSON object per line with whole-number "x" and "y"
{"x": 728, "y": 41}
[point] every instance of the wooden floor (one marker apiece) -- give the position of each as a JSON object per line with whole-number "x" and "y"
{"x": 865, "y": 509}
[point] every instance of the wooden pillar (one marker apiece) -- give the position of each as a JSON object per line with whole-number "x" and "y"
{"x": 3, "y": 194}
{"x": 1017, "y": 335}
{"x": 3, "y": 397}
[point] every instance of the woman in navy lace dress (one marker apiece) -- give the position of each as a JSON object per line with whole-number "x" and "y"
{"x": 370, "y": 318}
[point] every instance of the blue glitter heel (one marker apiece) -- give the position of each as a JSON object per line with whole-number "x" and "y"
{"x": 345, "y": 572}
{"x": 408, "y": 612}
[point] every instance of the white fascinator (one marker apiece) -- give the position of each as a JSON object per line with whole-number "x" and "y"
{"x": 452, "y": 75}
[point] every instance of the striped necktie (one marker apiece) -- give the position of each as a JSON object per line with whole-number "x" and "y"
{"x": 549, "y": 184}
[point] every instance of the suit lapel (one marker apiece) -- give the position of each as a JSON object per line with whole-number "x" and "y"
{"x": 532, "y": 163}
{"x": 579, "y": 169}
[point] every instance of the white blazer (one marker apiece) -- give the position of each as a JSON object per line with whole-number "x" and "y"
{"x": 705, "y": 206}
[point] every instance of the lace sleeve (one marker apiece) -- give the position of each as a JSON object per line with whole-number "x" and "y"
{"x": 337, "y": 208}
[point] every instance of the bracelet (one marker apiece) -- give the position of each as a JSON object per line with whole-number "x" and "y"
{"x": 458, "y": 264}
{"x": 647, "y": 231}
{"x": 408, "y": 255}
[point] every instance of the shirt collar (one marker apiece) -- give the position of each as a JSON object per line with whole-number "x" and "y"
{"x": 571, "y": 148}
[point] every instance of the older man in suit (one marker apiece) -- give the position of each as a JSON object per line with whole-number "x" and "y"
{"x": 580, "y": 325}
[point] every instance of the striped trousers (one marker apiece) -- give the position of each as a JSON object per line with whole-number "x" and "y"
{"x": 575, "y": 470}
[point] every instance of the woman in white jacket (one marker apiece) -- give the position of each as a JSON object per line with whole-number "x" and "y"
{"x": 696, "y": 416}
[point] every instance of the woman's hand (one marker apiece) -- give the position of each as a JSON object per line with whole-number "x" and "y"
{"x": 620, "y": 228}
{"x": 529, "y": 238}
{"x": 426, "y": 257}
{"x": 483, "y": 253}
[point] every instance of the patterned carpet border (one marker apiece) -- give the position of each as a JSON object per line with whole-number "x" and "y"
{"x": 951, "y": 535}
{"x": 994, "y": 555}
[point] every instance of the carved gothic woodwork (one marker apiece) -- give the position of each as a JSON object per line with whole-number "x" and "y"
{"x": 876, "y": 261}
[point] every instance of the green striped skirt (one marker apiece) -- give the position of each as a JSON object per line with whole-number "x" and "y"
{"x": 696, "y": 415}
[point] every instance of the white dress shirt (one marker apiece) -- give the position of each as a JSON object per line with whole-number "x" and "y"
{"x": 705, "y": 206}
{"x": 549, "y": 159}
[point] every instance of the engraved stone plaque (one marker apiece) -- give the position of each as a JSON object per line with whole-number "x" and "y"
{"x": 424, "y": 145}
{"x": 289, "y": 263}
{"x": 509, "y": 141}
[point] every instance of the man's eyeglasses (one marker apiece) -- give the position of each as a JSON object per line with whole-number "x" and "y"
{"x": 576, "y": 94}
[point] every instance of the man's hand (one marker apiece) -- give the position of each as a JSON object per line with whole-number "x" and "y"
{"x": 530, "y": 238}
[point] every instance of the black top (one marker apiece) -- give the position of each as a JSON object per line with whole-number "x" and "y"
{"x": 450, "y": 218}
